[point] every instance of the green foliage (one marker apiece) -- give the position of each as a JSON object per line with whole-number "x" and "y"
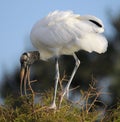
{"x": 22, "y": 109}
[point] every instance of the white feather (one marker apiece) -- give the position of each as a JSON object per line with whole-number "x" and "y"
{"x": 65, "y": 33}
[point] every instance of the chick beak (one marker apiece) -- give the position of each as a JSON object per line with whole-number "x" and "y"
{"x": 22, "y": 77}
{"x": 26, "y": 60}
{"x": 22, "y": 73}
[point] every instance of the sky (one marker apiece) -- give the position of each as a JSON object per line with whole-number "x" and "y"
{"x": 18, "y": 17}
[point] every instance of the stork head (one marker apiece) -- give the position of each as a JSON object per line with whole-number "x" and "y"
{"x": 26, "y": 60}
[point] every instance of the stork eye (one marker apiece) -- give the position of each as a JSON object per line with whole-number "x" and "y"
{"x": 95, "y": 22}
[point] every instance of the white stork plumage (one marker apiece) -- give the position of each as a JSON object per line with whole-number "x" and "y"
{"x": 64, "y": 33}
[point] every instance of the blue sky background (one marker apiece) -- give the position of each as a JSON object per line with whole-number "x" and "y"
{"x": 18, "y": 17}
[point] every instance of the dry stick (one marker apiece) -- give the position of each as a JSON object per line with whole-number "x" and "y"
{"x": 87, "y": 97}
{"x": 91, "y": 92}
{"x": 61, "y": 80}
{"x": 87, "y": 94}
{"x": 97, "y": 95}
{"x": 74, "y": 88}
{"x": 29, "y": 84}
{"x": 61, "y": 85}
{"x": 39, "y": 109}
{"x": 33, "y": 81}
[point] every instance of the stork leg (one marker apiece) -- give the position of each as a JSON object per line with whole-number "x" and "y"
{"x": 66, "y": 90}
{"x": 53, "y": 105}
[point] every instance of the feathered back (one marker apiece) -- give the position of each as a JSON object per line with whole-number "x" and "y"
{"x": 94, "y": 22}
{"x": 63, "y": 32}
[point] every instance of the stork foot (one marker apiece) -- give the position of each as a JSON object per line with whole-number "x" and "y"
{"x": 53, "y": 106}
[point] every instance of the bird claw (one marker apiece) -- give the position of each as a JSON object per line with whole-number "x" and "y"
{"x": 53, "y": 106}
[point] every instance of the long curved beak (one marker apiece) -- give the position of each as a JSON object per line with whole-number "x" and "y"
{"x": 23, "y": 78}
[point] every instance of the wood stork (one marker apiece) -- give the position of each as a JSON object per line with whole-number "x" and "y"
{"x": 64, "y": 33}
